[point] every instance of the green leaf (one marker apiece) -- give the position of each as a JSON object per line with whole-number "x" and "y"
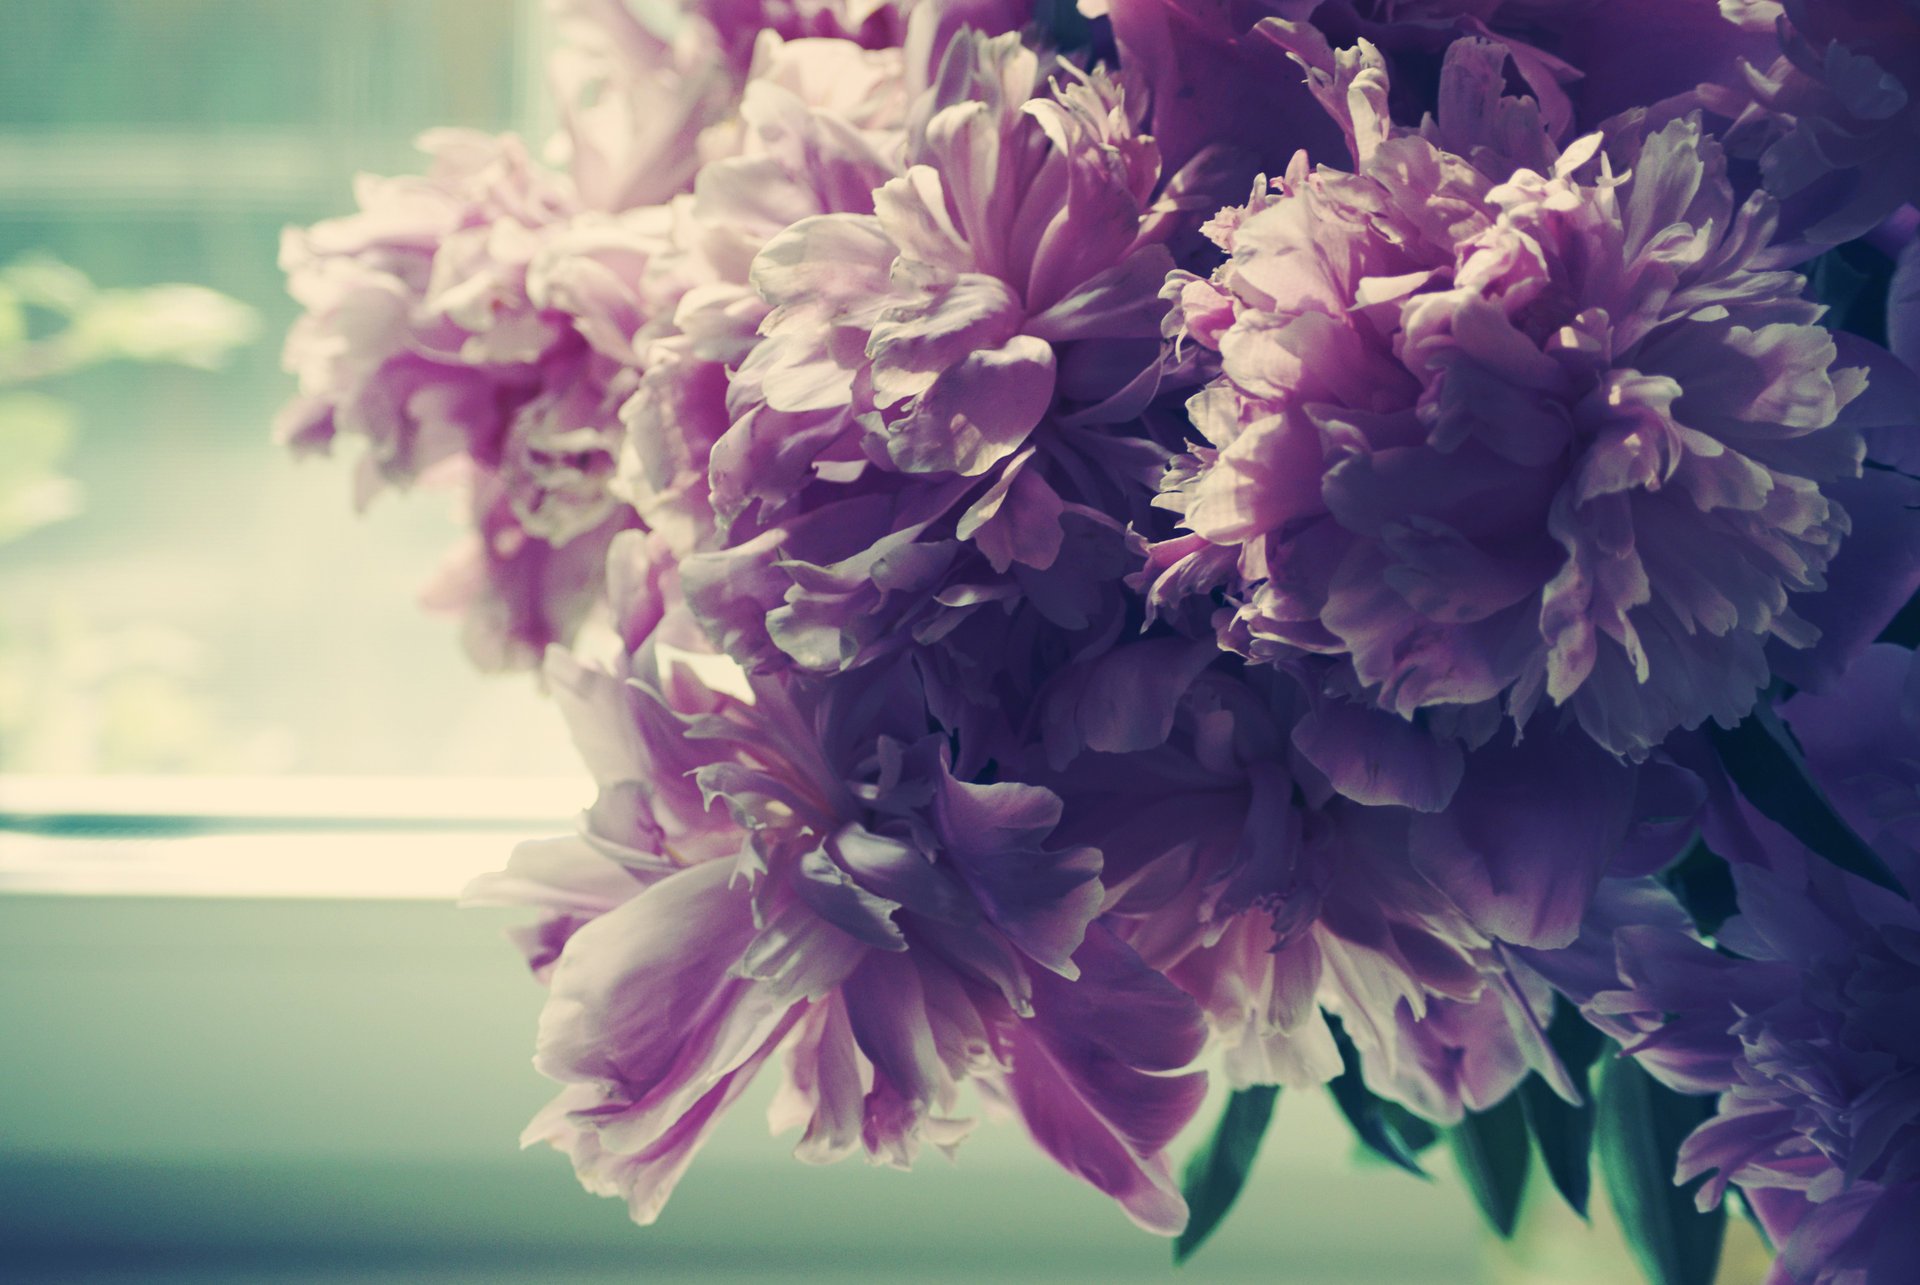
{"x": 1375, "y": 1123}
{"x": 1763, "y": 760}
{"x": 41, "y": 281}
{"x": 1491, "y": 1149}
{"x": 1853, "y": 281}
{"x": 1415, "y": 1133}
{"x": 1703, "y": 881}
{"x": 1641, "y": 1124}
{"x": 1064, "y": 24}
{"x": 1218, "y": 1170}
{"x": 1904, "y": 629}
{"x": 1564, "y": 1134}
{"x": 179, "y": 324}
{"x": 1563, "y": 1131}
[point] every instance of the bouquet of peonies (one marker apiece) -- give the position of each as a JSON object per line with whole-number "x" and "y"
{"x": 1358, "y": 543}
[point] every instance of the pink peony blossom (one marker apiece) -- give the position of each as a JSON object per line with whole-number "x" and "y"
{"x": 1221, "y": 80}
{"x": 1497, "y": 423}
{"x": 1234, "y": 866}
{"x": 924, "y": 427}
{"x": 819, "y": 124}
{"x": 427, "y": 336}
{"x": 802, "y": 871}
{"x": 1798, "y": 1015}
{"x": 482, "y": 323}
{"x": 507, "y": 320}
{"x": 1832, "y": 112}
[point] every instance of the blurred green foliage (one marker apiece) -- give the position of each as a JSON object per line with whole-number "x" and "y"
{"x": 72, "y": 695}
{"x": 55, "y": 322}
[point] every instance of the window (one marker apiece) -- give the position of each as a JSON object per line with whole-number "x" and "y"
{"x": 213, "y": 607}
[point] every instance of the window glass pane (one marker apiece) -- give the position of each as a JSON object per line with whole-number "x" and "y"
{"x": 214, "y": 606}
{"x": 226, "y": 65}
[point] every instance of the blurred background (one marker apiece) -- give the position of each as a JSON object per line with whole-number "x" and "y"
{"x": 208, "y": 606}
{"x": 241, "y": 775}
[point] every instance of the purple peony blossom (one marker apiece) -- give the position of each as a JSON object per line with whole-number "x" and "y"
{"x": 426, "y": 338}
{"x": 819, "y": 122}
{"x": 1235, "y": 866}
{"x": 924, "y": 427}
{"x": 1221, "y": 80}
{"x": 1799, "y": 1017}
{"x": 413, "y": 353}
{"x": 1497, "y": 423}
{"x": 482, "y": 322}
{"x": 507, "y": 320}
{"x": 1832, "y": 114}
{"x": 1824, "y": 1101}
{"x": 798, "y": 867}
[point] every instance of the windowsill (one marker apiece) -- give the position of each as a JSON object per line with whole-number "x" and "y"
{"x": 374, "y": 838}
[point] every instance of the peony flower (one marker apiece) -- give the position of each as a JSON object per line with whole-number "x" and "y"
{"x": 1220, "y": 78}
{"x": 819, "y": 125}
{"x": 798, "y": 868}
{"x": 1803, "y": 1033}
{"x": 1834, "y": 117}
{"x": 1799, "y": 1017}
{"x": 1499, "y": 424}
{"x": 1824, "y": 1102}
{"x": 923, "y": 427}
{"x": 427, "y": 338}
{"x": 1234, "y": 866}
{"x": 494, "y": 318}
{"x": 377, "y": 361}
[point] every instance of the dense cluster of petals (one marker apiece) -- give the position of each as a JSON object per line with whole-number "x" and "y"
{"x": 1241, "y": 873}
{"x": 1498, "y": 424}
{"x": 436, "y": 338}
{"x": 477, "y": 325}
{"x": 922, "y": 431}
{"x": 796, "y": 864}
{"x": 1832, "y": 112}
{"x": 1221, "y": 79}
{"x": 1797, "y": 1013}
